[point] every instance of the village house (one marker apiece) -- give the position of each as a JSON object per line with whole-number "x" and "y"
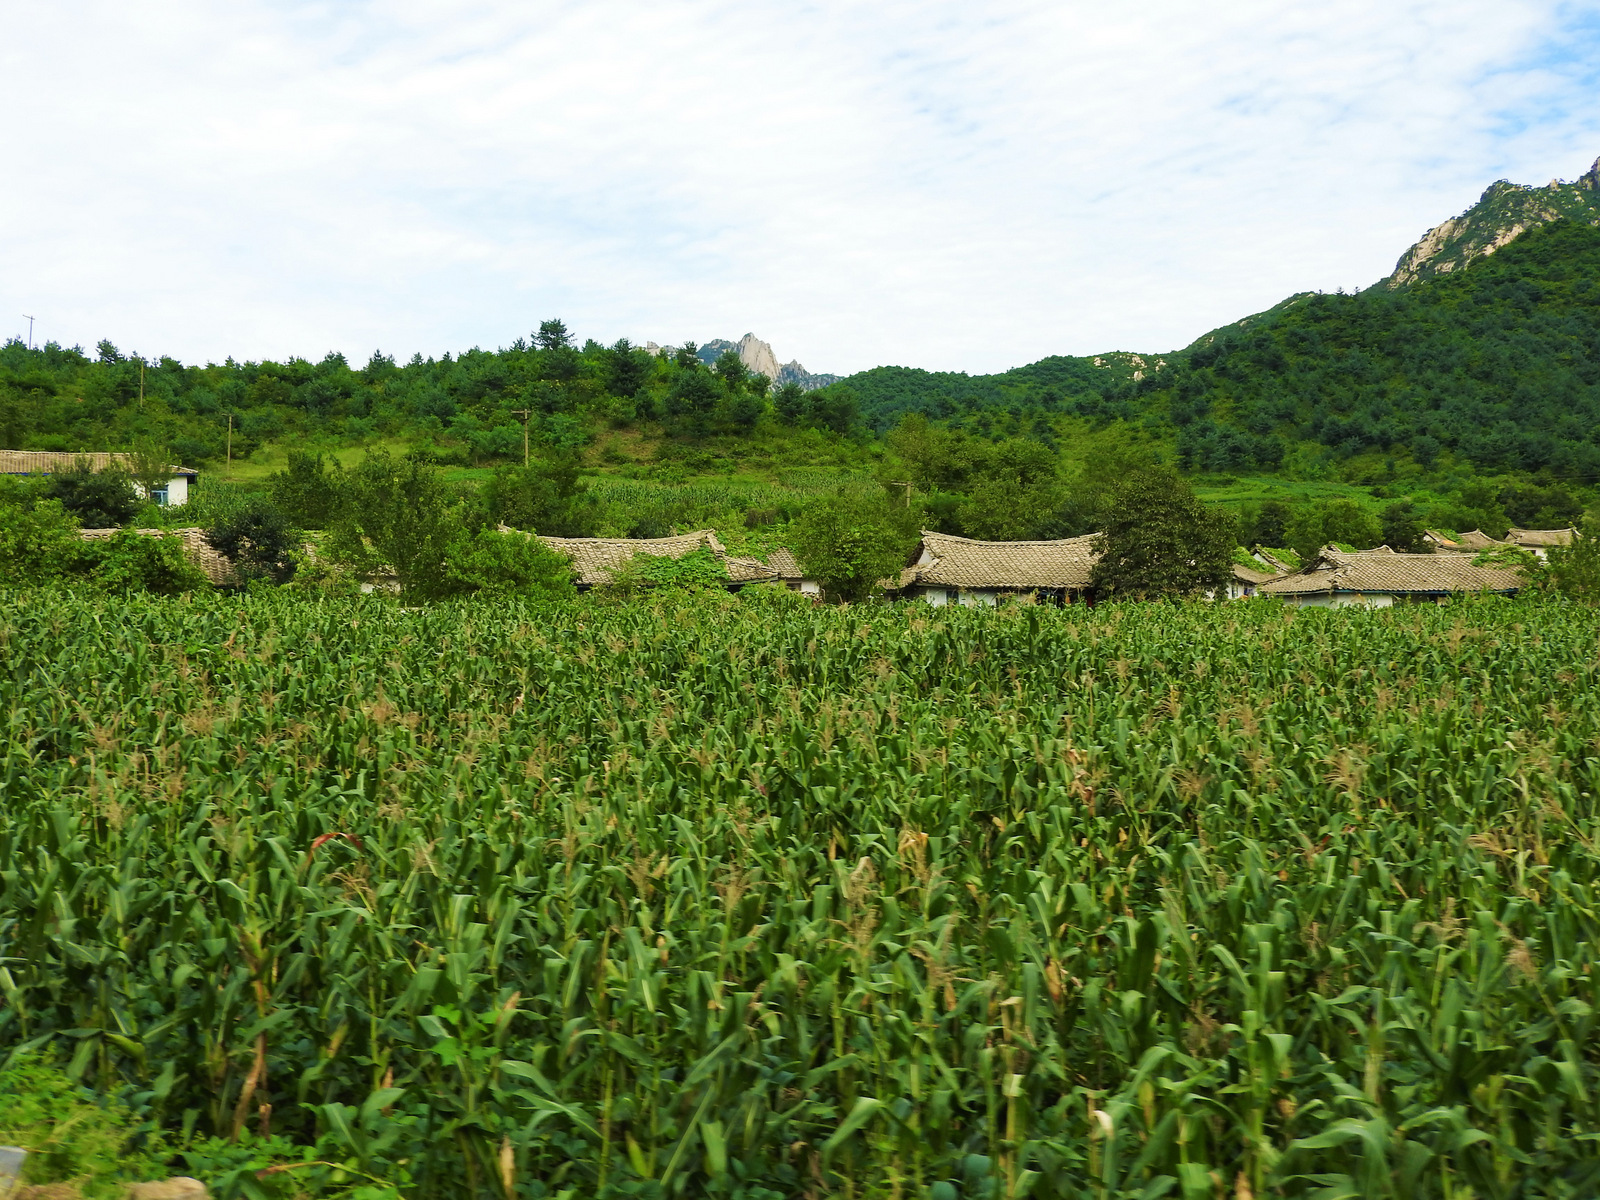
{"x": 50, "y": 462}
{"x": 1246, "y": 582}
{"x": 1539, "y": 541}
{"x": 946, "y": 569}
{"x": 1536, "y": 541}
{"x": 1378, "y": 578}
{"x": 783, "y": 561}
{"x": 595, "y": 559}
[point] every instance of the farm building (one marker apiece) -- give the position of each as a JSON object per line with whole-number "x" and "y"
{"x": 1379, "y": 578}
{"x": 783, "y": 561}
{"x": 955, "y": 570}
{"x": 218, "y": 567}
{"x": 49, "y": 462}
{"x": 1246, "y": 582}
{"x": 1537, "y": 541}
{"x": 1540, "y": 540}
{"x": 594, "y": 559}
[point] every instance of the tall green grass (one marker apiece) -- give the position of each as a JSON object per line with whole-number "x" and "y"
{"x": 767, "y": 901}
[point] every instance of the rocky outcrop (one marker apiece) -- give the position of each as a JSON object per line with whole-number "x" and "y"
{"x": 758, "y": 356}
{"x": 1504, "y": 212}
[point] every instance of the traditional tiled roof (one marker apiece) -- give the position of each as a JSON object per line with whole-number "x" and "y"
{"x": 1246, "y": 575}
{"x": 1382, "y": 570}
{"x": 594, "y": 559}
{"x": 1540, "y": 537}
{"x": 1432, "y": 537}
{"x": 48, "y": 462}
{"x": 1272, "y": 560}
{"x": 946, "y": 561}
{"x": 783, "y": 561}
{"x": 217, "y": 566}
{"x": 1474, "y": 539}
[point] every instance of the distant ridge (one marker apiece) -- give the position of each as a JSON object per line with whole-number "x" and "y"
{"x": 759, "y": 357}
{"x": 1504, "y": 212}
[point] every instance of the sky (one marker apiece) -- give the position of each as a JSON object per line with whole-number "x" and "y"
{"x": 942, "y": 185}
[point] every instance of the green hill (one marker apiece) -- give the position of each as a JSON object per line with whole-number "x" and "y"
{"x": 1497, "y": 366}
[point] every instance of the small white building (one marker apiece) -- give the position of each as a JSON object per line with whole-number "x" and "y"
{"x": 51, "y": 462}
{"x": 1539, "y": 541}
{"x": 1379, "y": 578}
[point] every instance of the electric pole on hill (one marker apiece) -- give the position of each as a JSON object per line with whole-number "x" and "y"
{"x": 29, "y": 320}
{"x": 230, "y": 443}
{"x": 524, "y": 413}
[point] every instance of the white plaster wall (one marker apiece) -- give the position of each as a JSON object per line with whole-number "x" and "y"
{"x": 178, "y": 490}
{"x": 976, "y": 599}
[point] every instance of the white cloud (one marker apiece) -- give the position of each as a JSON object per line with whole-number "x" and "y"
{"x": 927, "y": 183}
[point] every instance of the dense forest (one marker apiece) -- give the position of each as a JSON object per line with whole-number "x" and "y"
{"x": 1481, "y": 385}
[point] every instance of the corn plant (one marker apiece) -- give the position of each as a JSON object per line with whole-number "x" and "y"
{"x": 741, "y": 899}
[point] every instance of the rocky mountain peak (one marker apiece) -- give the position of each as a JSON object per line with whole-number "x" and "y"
{"x": 1504, "y": 212}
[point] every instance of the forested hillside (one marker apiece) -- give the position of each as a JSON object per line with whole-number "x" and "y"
{"x": 1498, "y": 366}
{"x": 468, "y": 409}
{"x": 1492, "y": 371}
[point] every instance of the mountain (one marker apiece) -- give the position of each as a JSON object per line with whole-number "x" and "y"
{"x": 1502, "y": 213}
{"x": 1495, "y": 364}
{"x": 759, "y": 357}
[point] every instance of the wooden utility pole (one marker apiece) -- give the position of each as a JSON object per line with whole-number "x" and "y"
{"x": 524, "y": 413}
{"x": 907, "y": 487}
{"x": 141, "y": 385}
{"x": 230, "y": 443}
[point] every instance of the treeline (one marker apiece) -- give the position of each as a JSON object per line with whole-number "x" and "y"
{"x": 472, "y": 409}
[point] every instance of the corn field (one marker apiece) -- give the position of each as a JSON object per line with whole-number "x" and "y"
{"x": 756, "y": 900}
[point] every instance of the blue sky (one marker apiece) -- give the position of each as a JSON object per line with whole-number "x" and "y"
{"x": 930, "y": 184}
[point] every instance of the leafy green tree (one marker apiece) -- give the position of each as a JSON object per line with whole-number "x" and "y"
{"x": 1161, "y": 541}
{"x": 38, "y": 537}
{"x": 397, "y": 515}
{"x": 852, "y": 541}
{"x": 730, "y": 368}
{"x": 547, "y": 496}
{"x": 1401, "y": 528}
{"x": 627, "y": 369}
{"x": 789, "y": 402}
{"x": 150, "y": 464}
{"x": 692, "y": 401}
{"x": 1271, "y": 524}
{"x": 1574, "y": 570}
{"x": 306, "y": 491}
{"x": 259, "y": 539}
{"x": 1014, "y": 491}
{"x": 1314, "y": 526}
{"x": 98, "y": 499}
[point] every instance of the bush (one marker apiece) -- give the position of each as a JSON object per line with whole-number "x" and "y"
{"x": 1574, "y": 570}
{"x": 306, "y": 491}
{"x": 98, "y": 499}
{"x": 506, "y": 564}
{"x": 72, "y": 1136}
{"x": 259, "y": 540}
{"x": 129, "y": 561}
{"x": 38, "y": 537}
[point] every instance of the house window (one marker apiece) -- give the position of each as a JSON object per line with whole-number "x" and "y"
{"x": 159, "y": 496}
